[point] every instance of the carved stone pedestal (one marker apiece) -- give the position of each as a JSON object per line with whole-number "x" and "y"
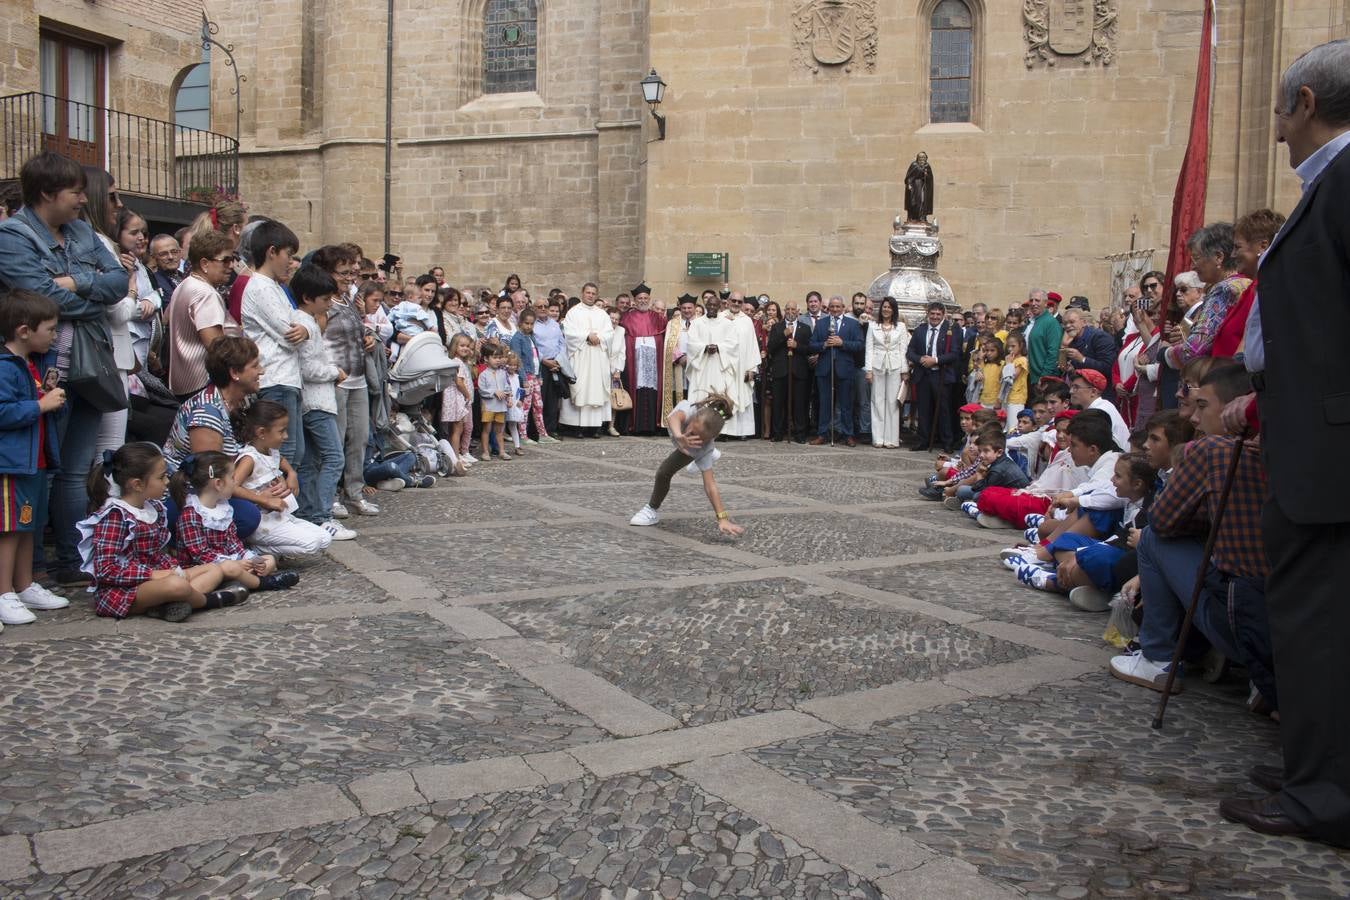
{"x": 913, "y": 279}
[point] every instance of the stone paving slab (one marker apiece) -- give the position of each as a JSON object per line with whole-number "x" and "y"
{"x": 650, "y": 834}
{"x": 986, "y": 588}
{"x": 815, "y": 537}
{"x": 153, "y": 720}
{"x": 706, "y": 654}
{"x": 610, "y": 551}
{"x": 534, "y": 470}
{"x": 452, "y": 501}
{"x": 686, "y": 496}
{"x": 1066, "y": 791}
{"x": 840, "y": 489}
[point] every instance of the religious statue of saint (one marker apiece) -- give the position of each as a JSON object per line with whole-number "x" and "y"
{"x": 919, "y": 190}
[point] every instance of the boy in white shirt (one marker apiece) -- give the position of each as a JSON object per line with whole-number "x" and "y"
{"x": 267, "y": 317}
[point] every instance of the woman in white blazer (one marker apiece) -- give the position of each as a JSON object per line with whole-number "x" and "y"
{"x": 885, "y": 367}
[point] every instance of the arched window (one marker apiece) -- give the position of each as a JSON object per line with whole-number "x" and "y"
{"x": 950, "y": 59}
{"x": 510, "y": 31}
{"x": 192, "y": 101}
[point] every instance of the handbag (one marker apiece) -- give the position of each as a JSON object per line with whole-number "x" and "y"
{"x": 93, "y": 373}
{"x": 619, "y": 399}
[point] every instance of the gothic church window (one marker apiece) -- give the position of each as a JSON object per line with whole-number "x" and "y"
{"x": 510, "y": 31}
{"x": 950, "y": 61}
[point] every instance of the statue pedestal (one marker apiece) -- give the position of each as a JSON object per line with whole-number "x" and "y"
{"x": 913, "y": 279}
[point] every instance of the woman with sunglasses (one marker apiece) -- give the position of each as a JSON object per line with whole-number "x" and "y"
{"x": 197, "y": 314}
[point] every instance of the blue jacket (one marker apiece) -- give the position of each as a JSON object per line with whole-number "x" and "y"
{"x": 30, "y": 258}
{"x": 19, "y": 419}
{"x": 948, "y": 353}
{"x": 844, "y": 357}
{"x": 523, "y": 345}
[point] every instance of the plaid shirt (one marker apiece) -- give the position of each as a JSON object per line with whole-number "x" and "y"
{"x": 1183, "y": 507}
{"x": 127, "y": 550}
{"x": 197, "y": 544}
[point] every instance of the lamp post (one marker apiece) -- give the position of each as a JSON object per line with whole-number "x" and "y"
{"x": 653, "y": 91}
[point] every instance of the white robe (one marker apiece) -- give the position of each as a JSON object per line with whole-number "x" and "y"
{"x": 725, "y": 371}
{"x": 589, "y": 404}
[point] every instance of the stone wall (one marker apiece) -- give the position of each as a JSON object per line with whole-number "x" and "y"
{"x": 799, "y": 174}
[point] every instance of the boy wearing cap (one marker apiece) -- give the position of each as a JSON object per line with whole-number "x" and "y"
{"x": 1085, "y": 392}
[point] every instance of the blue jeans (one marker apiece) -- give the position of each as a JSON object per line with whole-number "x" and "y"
{"x": 1231, "y": 611}
{"x": 77, "y": 431}
{"x": 293, "y": 448}
{"x": 965, "y": 492}
{"x": 395, "y": 465}
{"x": 321, "y": 468}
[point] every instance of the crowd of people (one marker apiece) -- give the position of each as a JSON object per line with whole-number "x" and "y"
{"x": 184, "y": 410}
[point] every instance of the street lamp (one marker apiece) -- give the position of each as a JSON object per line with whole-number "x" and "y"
{"x": 653, "y": 90}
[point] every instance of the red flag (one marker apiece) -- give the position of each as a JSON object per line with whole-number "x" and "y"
{"x": 1188, "y": 204}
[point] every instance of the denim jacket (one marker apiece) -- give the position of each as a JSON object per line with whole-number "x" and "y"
{"x": 30, "y": 258}
{"x": 523, "y": 345}
{"x": 19, "y": 415}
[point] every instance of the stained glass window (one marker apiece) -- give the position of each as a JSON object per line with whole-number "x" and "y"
{"x": 510, "y": 29}
{"x": 950, "y": 62}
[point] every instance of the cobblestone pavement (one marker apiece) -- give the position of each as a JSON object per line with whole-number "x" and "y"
{"x": 502, "y": 689}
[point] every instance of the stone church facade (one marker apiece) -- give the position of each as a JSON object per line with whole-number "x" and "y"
{"x": 519, "y": 141}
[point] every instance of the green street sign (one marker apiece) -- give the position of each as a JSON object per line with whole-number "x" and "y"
{"x": 707, "y": 265}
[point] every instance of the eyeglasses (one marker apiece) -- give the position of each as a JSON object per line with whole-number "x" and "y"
{"x": 345, "y": 276}
{"x": 367, "y": 275}
{"x": 227, "y": 260}
{"x": 1153, "y": 286}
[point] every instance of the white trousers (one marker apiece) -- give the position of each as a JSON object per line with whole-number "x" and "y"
{"x": 885, "y": 408}
{"x": 112, "y": 428}
{"x": 283, "y": 534}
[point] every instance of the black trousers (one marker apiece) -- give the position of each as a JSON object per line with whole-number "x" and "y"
{"x": 550, "y": 392}
{"x": 801, "y": 397}
{"x": 1309, "y": 619}
{"x": 931, "y": 395}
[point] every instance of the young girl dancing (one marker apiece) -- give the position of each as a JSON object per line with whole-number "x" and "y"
{"x": 693, "y": 428}
{"x": 260, "y": 467}
{"x": 205, "y": 532}
{"x": 123, "y": 544}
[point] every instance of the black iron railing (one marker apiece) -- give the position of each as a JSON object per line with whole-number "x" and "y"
{"x": 145, "y": 156}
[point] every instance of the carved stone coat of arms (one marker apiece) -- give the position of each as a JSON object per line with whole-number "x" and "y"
{"x": 1084, "y": 30}
{"x": 835, "y": 33}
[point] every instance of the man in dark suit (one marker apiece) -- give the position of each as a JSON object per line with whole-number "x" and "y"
{"x": 1089, "y": 347}
{"x": 1295, "y": 350}
{"x": 934, "y": 354}
{"x": 837, "y": 339}
{"x": 791, "y": 374}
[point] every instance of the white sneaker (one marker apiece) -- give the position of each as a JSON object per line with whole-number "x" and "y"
{"x": 338, "y": 532}
{"x": 1013, "y": 557}
{"x": 13, "y": 612}
{"x": 468, "y": 458}
{"x": 364, "y": 507}
{"x": 549, "y": 439}
{"x": 1138, "y": 669}
{"x": 1090, "y": 599}
{"x": 531, "y": 442}
{"x": 339, "y": 511}
{"x": 645, "y": 516}
{"x": 35, "y": 596}
{"x": 391, "y": 484}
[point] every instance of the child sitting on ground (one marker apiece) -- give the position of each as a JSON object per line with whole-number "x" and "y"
{"x": 124, "y": 544}
{"x": 205, "y": 531}
{"x": 1092, "y": 507}
{"x": 27, "y": 450}
{"x": 951, "y": 471}
{"x": 1082, "y": 566}
{"x": 1026, "y": 424}
{"x": 261, "y": 468}
{"x": 995, "y": 469}
{"x": 1008, "y": 508}
{"x": 693, "y": 428}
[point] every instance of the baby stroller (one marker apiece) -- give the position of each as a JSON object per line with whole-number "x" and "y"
{"x": 422, "y": 369}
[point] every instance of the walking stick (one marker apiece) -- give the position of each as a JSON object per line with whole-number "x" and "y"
{"x": 1199, "y": 585}
{"x": 791, "y": 425}
{"x": 832, "y": 356}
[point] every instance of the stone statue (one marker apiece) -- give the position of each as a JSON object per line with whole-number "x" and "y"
{"x": 919, "y": 190}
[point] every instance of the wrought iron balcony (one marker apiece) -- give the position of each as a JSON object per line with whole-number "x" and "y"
{"x": 146, "y": 156}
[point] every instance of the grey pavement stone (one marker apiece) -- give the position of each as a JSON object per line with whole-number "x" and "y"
{"x": 631, "y": 835}
{"x": 945, "y": 877}
{"x": 1022, "y": 675}
{"x": 1067, "y": 789}
{"x": 686, "y": 496}
{"x": 555, "y": 767}
{"x": 598, "y": 700}
{"x": 158, "y": 719}
{"x": 92, "y": 845}
{"x": 821, "y": 536}
{"x": 625, "y": 552}
{"x": 385, "y": 792}
{"x": 16, "y": 857}
{"x": 462, "y": 780}
{"x": 714, "y": 652}
{"x": 861, "y": 708}
{"x": 837, "y": 490}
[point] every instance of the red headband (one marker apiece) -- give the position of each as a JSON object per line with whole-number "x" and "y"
{"x": 215, "y": 219}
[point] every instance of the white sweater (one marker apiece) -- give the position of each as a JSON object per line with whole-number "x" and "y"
{"x": 266, "y": 315}
{"x": 316, "y": 368}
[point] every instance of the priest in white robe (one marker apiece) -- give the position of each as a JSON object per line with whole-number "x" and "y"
{"x": 587, "y": 330}
{"x": 723, "y": 355}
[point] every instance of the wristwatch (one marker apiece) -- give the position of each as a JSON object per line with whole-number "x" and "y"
{"x": 723, "y": 515}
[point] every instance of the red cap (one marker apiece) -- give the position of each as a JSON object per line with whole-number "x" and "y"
{"x": 1066, "y": 414}
{"x": 970, "y": 408}
{"x": 1092, "y": 377}
{"x": 1053, "y": 299}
